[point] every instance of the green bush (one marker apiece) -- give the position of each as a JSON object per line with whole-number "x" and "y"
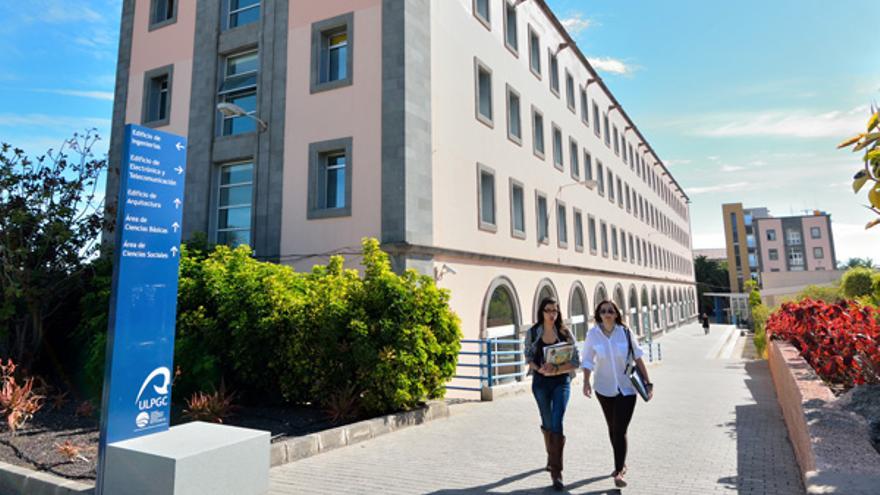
{"x": 875, "y": 288}
{"x": 760, "y": 313}
{"x": 829, "y": 295}
{"x": 856, "y": 282}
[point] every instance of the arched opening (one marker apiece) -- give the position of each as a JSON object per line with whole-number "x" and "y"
{"x": 670, "y": 308}
{"x": 664, "y": 316}
{"x": 655, "y": 308}
{"x": 620, "y": 298}
{"x": 502, "y": 322}
{"x": 545, "y": 289}
{"x": 646, "y": 311}
{"x": 600, "y": 294}
{"x": 634, "y": 310}
{"x": 578, "y": 312}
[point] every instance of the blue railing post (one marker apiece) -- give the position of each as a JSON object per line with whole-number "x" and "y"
{"x": 490, "y": 362}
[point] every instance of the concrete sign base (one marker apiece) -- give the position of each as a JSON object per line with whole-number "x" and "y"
{"x": 190, "y": 459}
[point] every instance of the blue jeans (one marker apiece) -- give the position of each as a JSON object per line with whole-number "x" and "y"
{"x": 551, "y": 394}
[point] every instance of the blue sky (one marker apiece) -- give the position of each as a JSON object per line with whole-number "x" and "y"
{"x": 745, "y": 101}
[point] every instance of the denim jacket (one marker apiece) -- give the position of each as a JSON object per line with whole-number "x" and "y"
{"x": 531, "y": 342}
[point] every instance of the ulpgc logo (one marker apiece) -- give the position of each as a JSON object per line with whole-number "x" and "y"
{"x": 160, "y": 378}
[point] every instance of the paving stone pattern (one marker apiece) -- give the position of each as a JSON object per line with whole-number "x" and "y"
{"x": 713, "y": 427}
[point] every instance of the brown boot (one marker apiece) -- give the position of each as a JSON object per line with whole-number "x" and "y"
{"x": 546, "y": 447}
{"x": 557, "y": 444}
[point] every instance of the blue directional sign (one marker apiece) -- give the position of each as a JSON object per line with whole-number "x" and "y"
{"x": 143, "y": 304}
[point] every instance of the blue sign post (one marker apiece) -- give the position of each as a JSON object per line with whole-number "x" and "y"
{"x": 143, "y": 301}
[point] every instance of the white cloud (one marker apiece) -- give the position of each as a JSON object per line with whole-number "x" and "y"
{"x": 52, "y": 121}
{"x": 736, "y": 186}
{"x": 576, "y": 23}
{"x": 611, "y": 65}
{"x": 57, "y": 12}
{"x": 852, "y": 240}
{"x": 732, "y": 168}
{"x": 96, "y": 95}
{"x": 797, "y": 123}
{"x": 675, "y": 161}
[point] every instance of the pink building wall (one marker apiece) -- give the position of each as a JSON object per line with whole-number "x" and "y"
{"x": 824, "y": 242}
{"x": 171, "y": 44}
{"x": 351, "y": 111}
{"x": 779, "y": 244}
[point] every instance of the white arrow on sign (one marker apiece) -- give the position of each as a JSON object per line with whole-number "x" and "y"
{"x": 175, "y": 226}
{"x": 177, "y": 203}
{"x": 179, "y": 170}
{"x": 173, "y": 251}
{"x": 179, "y": 146}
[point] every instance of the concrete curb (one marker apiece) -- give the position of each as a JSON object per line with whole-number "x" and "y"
{"x": 831, "y": 445}
{"x": 17, "y": 480}
{"x": 294, "y": 449}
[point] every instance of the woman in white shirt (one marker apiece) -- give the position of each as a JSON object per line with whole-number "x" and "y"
{"x": 604, "y": 357}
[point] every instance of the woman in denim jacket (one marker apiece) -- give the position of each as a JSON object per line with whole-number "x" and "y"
{"x": 551, "y": 384}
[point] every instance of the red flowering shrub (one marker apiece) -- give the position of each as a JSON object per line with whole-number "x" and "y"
{"x": 841, "y": 341}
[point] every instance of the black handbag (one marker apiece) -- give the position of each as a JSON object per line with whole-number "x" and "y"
{"x": 632, "y": 370}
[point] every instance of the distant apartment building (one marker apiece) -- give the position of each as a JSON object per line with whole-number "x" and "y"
{"x": 760, "y": 243}
{"x": 464, "y": 134}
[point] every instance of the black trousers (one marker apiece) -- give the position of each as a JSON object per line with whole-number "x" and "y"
{"x": 618, "y": 413}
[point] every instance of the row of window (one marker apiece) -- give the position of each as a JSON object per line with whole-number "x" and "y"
{"x": 796, "y": 256}
{"x": 482, "y": 12}
{"x": 616, "y": 242}
{"x": 331, "y": 68}
{"x": 235, "y": 13}
{"x": 634, "y": 202}
{"x": 793, "y": 236}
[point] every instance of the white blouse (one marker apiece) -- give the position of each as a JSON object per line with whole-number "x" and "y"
{"x": 606, "y": 358}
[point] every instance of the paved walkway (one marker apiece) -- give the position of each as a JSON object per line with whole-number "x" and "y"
{"x": 713, "y": 427}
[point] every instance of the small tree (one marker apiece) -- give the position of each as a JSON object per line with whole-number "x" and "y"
{"x": 856, "y": 282}
{"x": 869, "y": 141}
{"x": 50, "y": 218}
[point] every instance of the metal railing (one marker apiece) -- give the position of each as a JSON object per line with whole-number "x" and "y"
{"x": 493, "y": 355}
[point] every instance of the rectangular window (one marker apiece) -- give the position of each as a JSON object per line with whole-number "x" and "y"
{"x": 481, "y": 12}
{"x": 607, "y": 131}
{"x": 628, "y": 202}
{"x": 619, "y": 193}
{"x": 773, "y": 254}
{"x": 616, "y": 142}
{"x": 235, "y": 198}
{"x": 538, "y": 133}
{"x": 510, "y": 28}
{"x": 818, "y": 253}
{"x": 486, "y": 192}
{"x": 614, "y": 251}
{"x": 239, "y": 87}
{"x": 332, "y": 53}
{"x": 569, "y": 91}
{"x": 796, "y": 259}
{"x": 631, "y": 158}
{"x": 534, "y": 52}
{"x": 592, "y": 233}
{"x": 771, "y": 234}
{"x": 578, "y": 230}
{"x": 483, "y": 92}
{"x": 588, "y": 166}
{"x": 622, "y": 245}
{"x": 330, "y": 175}
{"x": 815, "y": 233}
{"x": 793, "y": 237}
{"x": 242, "y": 12}
{"x": 156, "y": 111}
{"x": 596, "y": 130}
{"x": 585, "y": 109}
{"x": 574, "y": 157}
{"x": 632, "y": 254}
{"x": 514, "y": 122}
{"x": 543, "y": 218}
{"x": 561, "y": 225}
{"x": 558, "y": 160}
{"x": 600, "y": 177}
{"x": 610, "y": 186}
{"x": 603, "y": 232}
{"x": 517, "y": 210}
{"x": 554, "y": 72}
{"x": 623, "y": 147}
{"x": 162, "y": 13}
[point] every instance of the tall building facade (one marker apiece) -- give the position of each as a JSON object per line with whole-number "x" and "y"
{"x": 760, "y": 243}
{"x": 472, "y": 137}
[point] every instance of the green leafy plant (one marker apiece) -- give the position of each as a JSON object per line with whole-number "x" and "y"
{"x": 857, "y": 282}
{"x": 869, "y": 142}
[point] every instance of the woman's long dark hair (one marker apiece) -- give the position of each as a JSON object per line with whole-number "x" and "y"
{"x": 618, "y": 319}
{"x": 561, "y": 328}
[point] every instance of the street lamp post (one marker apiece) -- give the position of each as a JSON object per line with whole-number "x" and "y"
{"x": 233, "y": 110}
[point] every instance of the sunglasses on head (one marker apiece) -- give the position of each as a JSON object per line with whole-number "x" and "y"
{"x": 608, "y": 311}
{"x": 551, "y": 311}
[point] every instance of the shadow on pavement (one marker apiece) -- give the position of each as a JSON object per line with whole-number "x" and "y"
{"x": 487, "y": 488}
{"x": 765, "y": 457}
